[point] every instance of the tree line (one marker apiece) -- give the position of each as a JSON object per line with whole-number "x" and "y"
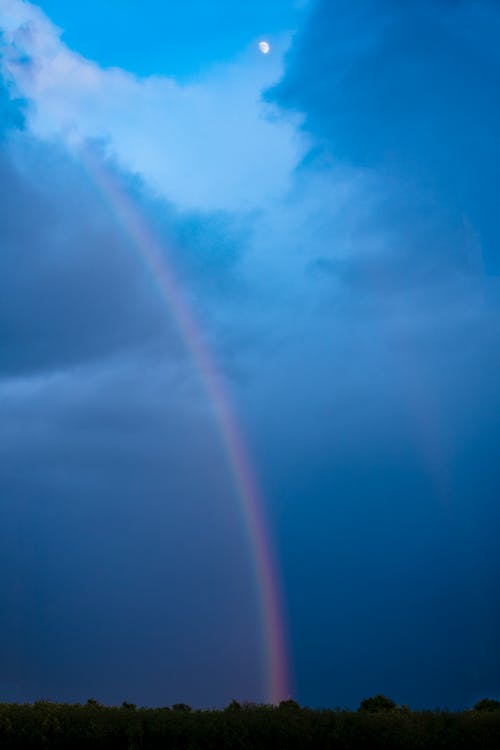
{"x": 378, "y": 724}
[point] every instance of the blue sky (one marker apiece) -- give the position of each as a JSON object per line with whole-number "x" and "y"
{"x": 330, "y": 213}
{"x": 166, "y": 38}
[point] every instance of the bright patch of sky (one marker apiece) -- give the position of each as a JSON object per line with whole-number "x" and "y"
{"x": 211, "y": 144}
{"x": 170, "y": 38}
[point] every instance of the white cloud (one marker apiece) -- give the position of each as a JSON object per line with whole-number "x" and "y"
{"x": 208, "y": 145}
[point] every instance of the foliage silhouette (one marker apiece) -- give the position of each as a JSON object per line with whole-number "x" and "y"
{"x": 377, "y": 703}
{"x": 94, "y": 726}
{"x": 487, "y": 704}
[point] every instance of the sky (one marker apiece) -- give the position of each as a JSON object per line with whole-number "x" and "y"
{"x": 249, "y": 351}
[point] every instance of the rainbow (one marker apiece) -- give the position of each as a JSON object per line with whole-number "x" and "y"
{"x": 265, "y": 568}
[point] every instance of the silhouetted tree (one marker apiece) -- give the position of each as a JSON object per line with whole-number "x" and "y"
{"x": 377, "y": 703}
{"x": 487, "y": 704}
{"x": 181, "y": 707}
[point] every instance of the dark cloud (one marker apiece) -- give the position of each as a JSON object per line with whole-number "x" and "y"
{"x": 70, "y": 287}
{"x": 73, "y": 284}
{"x": 383, "y": 472}
{"x": 386, "y": 496}
{"x": 130, "y": 571}
{"x": 412, "y": 92}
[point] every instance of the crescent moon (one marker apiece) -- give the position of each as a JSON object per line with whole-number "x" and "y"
{"x": 264, "y": 47}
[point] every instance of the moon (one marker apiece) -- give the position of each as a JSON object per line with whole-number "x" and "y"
{"x": 264, "y": 47}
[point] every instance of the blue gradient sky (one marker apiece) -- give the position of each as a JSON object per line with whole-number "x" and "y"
{"x": 331, "y": 213}
{"x": 179, "y": 39}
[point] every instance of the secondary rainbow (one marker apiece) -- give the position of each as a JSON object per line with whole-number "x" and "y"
{"x": 130, "y": 218}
